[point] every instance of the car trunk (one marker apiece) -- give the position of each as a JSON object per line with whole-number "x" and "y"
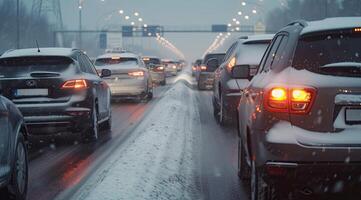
{"x": 330, "y": 62}
{"x": 35, "y": 80}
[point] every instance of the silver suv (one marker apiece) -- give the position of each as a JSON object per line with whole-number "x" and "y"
{"x": 300, "y": 116}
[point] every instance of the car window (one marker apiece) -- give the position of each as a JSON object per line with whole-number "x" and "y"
{"x": 280, "y": 54}
{"x": 230, "y": 51}
{"x": 333, "y": 53}
{"x": 116, "y": 61}
{"x": 89, "y": 65}
{"x": 271, "y": 54}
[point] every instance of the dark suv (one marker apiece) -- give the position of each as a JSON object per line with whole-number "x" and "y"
{"x": 245, "y": 52}
{"x": 300, "y": 116}
{"x": 205, "y": 75}
{"x": 57, "y": 90}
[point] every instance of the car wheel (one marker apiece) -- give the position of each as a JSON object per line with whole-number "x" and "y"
{"x": 244, "y": 171}
{"x": 164, "y": 82}
{"x": 215, "y": 109}
{"x": 222, "y": 115}
{"x": 18, "y": 186}
{"x": 92, "y": 133}
{"x": 260, "y": 190}
{"x": 108, "y": 123}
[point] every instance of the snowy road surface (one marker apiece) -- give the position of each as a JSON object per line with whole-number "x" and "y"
{"x": 171, "y": 148}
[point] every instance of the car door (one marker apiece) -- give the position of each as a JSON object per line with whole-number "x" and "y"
{"x": 6, "y": 130}
{"x": 252, "y": 99}
{"x": 96, "y": 81}
{"x": 218, "y": 74}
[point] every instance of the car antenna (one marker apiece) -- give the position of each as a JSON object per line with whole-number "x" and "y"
{"x": 37, "y": 45}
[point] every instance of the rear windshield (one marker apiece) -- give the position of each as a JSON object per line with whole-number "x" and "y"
{"x": 23, "y": 66}
{"x": 219, "y": 57}
{"x": 335, "y": 53}
{"x": 115, "y": 61}
{"x": 198, "y": 62}
{"x": 154, "y": 61}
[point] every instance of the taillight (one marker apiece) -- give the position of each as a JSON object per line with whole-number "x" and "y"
{"x": 136, "y": 73}
{"x": 231, "y": 63}
{"x": 75, "y": 84}
{"x": 174, "y": 67}
{"x": 160, "y": 68}
{"x": 194, "y": 68}
{"x": 203, "y": 68}
{"x": 296, "y": 100}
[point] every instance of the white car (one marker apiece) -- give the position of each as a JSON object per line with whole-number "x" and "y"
{"x": 130, "y": 79}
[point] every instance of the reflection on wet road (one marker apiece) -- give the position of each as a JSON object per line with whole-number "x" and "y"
{"x": 60, "y": 165}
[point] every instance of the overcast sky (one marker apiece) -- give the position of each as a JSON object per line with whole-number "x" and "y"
{"x": 180, "y": 13}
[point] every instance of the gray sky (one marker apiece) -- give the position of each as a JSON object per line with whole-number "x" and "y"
{"x": 178, "y": 13}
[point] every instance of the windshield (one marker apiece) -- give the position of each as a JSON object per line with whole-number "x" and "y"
{"x": 115, "y": 61}
{"x": 330, "y": 53}
{"x": 23, "y": 67}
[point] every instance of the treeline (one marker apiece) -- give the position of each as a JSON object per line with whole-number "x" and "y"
{"x": 310, "y": 10}
{"x": 31, "y": 28}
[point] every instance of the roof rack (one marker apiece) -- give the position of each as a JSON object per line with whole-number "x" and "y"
{"x": 299, "y": 22}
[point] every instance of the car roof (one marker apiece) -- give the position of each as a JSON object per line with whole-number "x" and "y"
{"x": 257, "y": 38}
{"x": 329, "y": 24}
{"x": 67, "y": 52}
{"x": 122, "y": 55}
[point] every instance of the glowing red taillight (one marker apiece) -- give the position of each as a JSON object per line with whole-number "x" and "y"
{"x": 136, "y": 73}
{"x": 75, "y": 84}
{"x": 297, "y": 100}
{"x": 203, "y": 68}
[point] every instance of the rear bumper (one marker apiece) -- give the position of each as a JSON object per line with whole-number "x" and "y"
{"x": 206, "y": 79}
{"x": 69, "y": 120}
{"x": 158, "y": 77}
{"x": 129, "y": 87}
{"x": 285, "y": 143}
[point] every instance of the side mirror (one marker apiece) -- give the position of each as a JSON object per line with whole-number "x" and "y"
{"x": 241, "y": 72}
{"x": 105, "y": 73}
{"x": 212, "y": 63}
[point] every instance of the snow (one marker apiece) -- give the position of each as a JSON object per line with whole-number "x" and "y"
{"x": 343, "y": 64}
{"x": 34, "y": 52}
{"x": 345, "y": 99}
{"x": 122, "y": 55}
{"x": 332, "y": 24}
{"x": 157, "y": 161}
{"x": 285, "y": 133}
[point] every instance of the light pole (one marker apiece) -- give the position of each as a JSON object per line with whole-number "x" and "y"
{"x": 18, "y": 24}
{"x": 80, "y": 23}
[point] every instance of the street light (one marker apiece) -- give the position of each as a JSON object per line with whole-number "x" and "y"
{"x": 17, "y": 24}
{"x": 80, "y": 6}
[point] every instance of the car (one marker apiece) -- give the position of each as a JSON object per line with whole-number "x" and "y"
{"x": 157, "y": 70}
{"x": 130, "y": 78}
{"x": 300, "y": 116}
{"x": 57, "y": 90}
{"x": 170, "y": 67}
{"x": 13, "y": 152}
{"x": 195, "y": 66}
{"x": 205, "y": 76}
{"x": 227, "y": 85}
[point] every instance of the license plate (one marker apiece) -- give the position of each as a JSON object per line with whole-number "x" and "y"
{"x": 31, "y": 92}
{"x": 353, "y": 116}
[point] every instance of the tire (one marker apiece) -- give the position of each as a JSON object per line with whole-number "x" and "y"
{"x": 260, "y": 190}
{"x": 18, "y": 187}
{"x": 222, "y": 115}
{"x": 91, "y": 134}
{"x": 163, "y": 82}
{"x": 108, "y": 124}
{"x": 244, "y": 171}
{"x": 200, "y": 85}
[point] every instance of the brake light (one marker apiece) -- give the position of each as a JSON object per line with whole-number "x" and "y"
{"x": 203, "y": 68}
{"x": 136, "y": 74}
{"x": 357, "y": 29}
{"x": 296, "y": 100}
{"x": 231, "y": 63}
{"x": 174, "y": 67}
{"x": 75, "y": 84}
{"x": 194, "y": 68}
{"x": 160, "y": 68}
